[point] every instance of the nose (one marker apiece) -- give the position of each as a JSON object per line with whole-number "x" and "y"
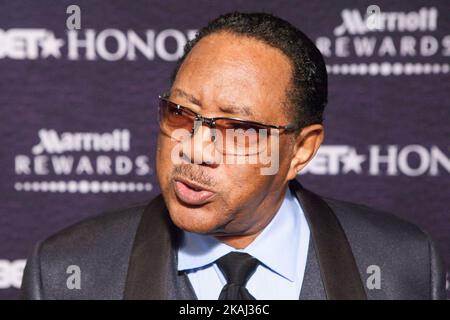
{"x": 200, "y": 148}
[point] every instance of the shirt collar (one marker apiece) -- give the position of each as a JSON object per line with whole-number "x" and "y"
{"x": 276, "y": 246}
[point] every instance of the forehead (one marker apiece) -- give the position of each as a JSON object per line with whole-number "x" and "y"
{"x": 227, "y": 69}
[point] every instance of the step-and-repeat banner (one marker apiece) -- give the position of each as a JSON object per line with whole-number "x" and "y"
{"x": 78, "y": 108}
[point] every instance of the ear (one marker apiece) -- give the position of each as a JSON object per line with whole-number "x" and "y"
{"x": 306, "y": 145}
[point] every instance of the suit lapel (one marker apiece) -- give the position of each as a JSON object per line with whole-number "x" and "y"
{"x": 331, "y": 270}
{"x": 312, "y": 285}
{"x": 152, "y": 271}
{"x": 338, "y": 270}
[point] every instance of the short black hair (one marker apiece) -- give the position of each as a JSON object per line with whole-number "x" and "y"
{"x": 308, "y": 93}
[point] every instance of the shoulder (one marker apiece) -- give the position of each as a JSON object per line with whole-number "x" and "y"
{"x": 109, "y": 226}
{"x": 374, "y": 232}
{"x": 98, "y": 247}
{"x": 362, "y": 218}
{"x": 404, "y": 254}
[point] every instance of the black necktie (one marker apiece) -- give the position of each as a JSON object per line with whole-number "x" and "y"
{"x": 237, "y": 267}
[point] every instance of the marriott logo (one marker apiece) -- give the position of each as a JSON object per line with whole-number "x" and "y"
{"x": 355, "y": 21}
{"x": 53, "y": 142}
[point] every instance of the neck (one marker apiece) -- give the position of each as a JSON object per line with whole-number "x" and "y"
{"x": 244, "y": 240}
{"x": 239, "y": 242}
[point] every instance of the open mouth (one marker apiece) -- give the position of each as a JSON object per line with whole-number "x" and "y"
{"x": 191, "y": 193}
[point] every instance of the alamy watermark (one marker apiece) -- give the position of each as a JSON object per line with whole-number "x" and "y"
{"x": 237, "y": 146}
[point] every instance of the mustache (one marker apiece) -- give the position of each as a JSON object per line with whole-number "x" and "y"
{"x": 187, "y": 171}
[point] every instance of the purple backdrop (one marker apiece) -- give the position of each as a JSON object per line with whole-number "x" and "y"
{"x": 78, "y": 109}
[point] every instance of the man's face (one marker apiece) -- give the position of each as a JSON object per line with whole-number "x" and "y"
{"x": 223, "y": 73}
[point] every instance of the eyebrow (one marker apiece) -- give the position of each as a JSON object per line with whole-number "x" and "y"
{"x": 233, "y": 109}
{"x": 183, "y": 94}
{"x": 229, "y": 108}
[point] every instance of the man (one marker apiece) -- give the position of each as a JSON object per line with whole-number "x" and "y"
{"x": 223, "y": 228}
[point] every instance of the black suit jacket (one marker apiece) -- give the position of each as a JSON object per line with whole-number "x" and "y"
{"x": 131, "y": 254}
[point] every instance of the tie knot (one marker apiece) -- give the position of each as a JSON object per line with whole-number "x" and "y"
{"x": 237, "y": 267}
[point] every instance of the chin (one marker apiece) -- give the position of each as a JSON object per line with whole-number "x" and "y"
{"x": 194, "y": 220}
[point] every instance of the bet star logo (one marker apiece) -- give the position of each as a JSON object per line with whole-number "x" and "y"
{"x": 51, "y": 46}
{"x": 375, "y": 160}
